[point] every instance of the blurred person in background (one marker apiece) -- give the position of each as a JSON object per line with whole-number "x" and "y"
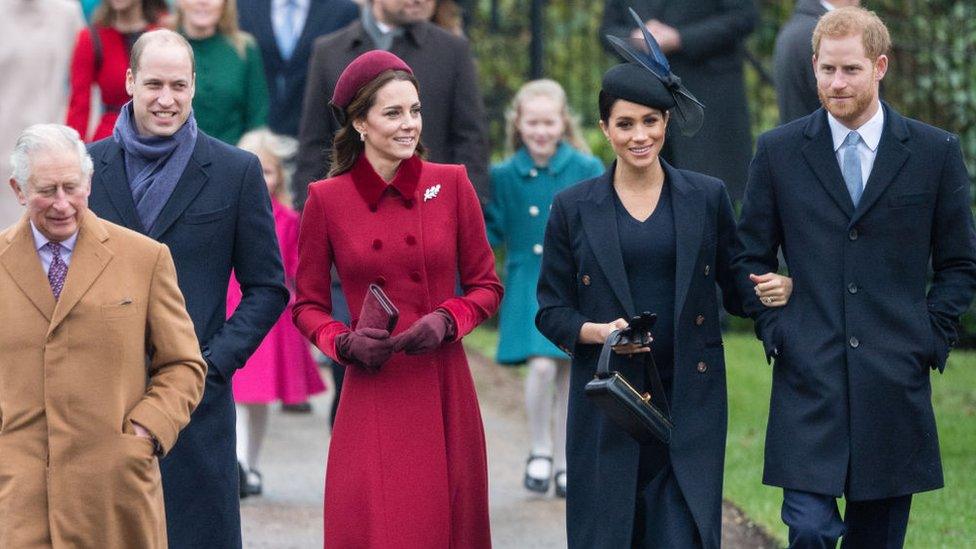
{"x": 705, "y": 43}
{"x": 796, "y": 84}
{"x": 232, "y": 96}
{"x": 36, "y": 41}
{"x": 101, "y": 58}
{"x": 285, "y": 31}
{"x": 446, "y": 14}
{"x": 281, "y": 369}
{"x": 549, "y": 155}
{"x": 407, "y": 460}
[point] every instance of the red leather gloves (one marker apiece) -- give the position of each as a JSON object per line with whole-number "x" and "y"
{"x": 426, "y": 334}
{"x": 368, "y": 348}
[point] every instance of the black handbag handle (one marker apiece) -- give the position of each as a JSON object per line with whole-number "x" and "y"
{"x": 603, "y": 369}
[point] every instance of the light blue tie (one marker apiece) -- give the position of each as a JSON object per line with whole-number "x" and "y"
{"x": 288, "y": 36}
{"x": 851, "y": 167}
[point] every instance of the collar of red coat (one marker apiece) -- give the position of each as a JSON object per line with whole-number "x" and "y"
{"x": 371, "y": 186}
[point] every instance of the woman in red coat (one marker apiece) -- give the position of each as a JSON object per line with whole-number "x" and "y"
{"x": 407, "y": 465}
{"x": 101, "y": 59}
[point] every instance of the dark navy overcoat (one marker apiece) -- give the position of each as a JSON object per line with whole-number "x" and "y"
{"x": 851, "y": 409}
{"x": 583, "y": 280}
{"x": 217, "y": 219}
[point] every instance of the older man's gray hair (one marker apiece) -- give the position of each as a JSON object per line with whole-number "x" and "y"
{"x": 47, "y": 137}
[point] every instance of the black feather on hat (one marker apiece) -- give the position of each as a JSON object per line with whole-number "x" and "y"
{"x": 647, "y": 79}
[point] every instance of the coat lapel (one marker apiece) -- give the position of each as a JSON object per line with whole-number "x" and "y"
{"x": 193, "y": 179}
{"x": 266, "y": 25}
{"x": 892, "y": 154}
{"x": 819, "y": 154}
{"x": 116, "y": 183}
{"x": 88, "y": 260}
{"x": 600, "y": 225}
{"x": 20, "y": 259}
{"x": 688, "y": 205}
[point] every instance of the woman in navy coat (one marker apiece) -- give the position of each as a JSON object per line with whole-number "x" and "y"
{"x": 644, "y": 237}
{"x": 550, "y": 155}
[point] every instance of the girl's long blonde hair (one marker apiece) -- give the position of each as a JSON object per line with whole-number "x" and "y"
{"x": 227, "y": 26}
{"x": 263, "y": 142}
{"x": 544, "y": 88}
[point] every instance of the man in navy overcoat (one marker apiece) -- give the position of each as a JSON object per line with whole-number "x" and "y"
{"x": 285, "y": 31}
{"x": 862, "y": 201}
{"x": 215, "y": 215}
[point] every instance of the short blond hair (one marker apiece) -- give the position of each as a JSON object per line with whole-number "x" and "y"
{"x": 264, "y": 142}
{"x": 851, "y": 21}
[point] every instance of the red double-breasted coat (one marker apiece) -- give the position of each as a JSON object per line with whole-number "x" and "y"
{"x": 407, "y": 464}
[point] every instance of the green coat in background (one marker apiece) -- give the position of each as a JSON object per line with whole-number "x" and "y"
{"x": 516, "y": 217}
{"x": 231, "y": 96}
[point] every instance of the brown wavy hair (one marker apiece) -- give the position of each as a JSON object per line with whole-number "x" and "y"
{"x": 152, "y": 12}
{"x": 347, "y": 146}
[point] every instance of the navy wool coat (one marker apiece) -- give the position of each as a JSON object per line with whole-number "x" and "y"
{"x": 851, "y": 409}
{"x": 217, "y": 219}
{"x": 583, "y": 280}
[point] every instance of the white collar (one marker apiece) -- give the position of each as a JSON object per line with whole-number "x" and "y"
{"x": 870, "y": 131}
{"x": 40, "y": 240}
{"x": 827, "y": 5}
{"x": 302, "y": 5}
{"x": 384, "y": 28}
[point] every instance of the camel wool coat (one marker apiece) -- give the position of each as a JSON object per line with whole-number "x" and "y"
{"x": 74, "y": 375}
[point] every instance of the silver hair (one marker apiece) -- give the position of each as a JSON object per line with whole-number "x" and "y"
{"x": 47, "y": 137}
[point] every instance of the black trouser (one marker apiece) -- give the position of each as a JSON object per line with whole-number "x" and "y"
{"x": 815, "y": 521}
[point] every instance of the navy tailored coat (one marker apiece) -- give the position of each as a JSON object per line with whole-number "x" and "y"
{"x": 713, "y": 35}
{"x": 851, "y": 409}
{"x": 521, "y": 195}
{"x": 286, "y": 77}
{"x": 583, "y": 280}
{"x": 217, "y": 219}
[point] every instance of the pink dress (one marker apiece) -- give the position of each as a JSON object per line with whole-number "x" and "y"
{"x": 282, "y": 367}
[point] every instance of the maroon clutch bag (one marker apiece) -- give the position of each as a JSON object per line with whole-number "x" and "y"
{"x": 378, "y": 311}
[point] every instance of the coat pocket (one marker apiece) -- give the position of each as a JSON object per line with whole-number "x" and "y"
{"x": 914, "y": 199}
{"x": 198, "y": 218}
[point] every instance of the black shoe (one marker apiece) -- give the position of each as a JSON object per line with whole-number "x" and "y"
{"x": 242, "y": 482}
{"x": 254, "y": 483}
{"x": 561, "y": 484}
{"x": 534, "y": 484}
{"x": 300, "y": 408}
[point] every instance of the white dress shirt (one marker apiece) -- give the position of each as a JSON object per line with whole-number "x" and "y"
{"x": 299, "y": 15}
{"x": 867, "y": 148}
{"x": 67, "y": 246}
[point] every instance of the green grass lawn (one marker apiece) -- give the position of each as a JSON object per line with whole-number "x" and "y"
{"x": 942, "y": 519}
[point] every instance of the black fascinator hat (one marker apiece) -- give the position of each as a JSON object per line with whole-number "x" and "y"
{"x": 647, "y": 79}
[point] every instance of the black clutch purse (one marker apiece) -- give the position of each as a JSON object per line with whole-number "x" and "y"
{"x": 631, "y": 410}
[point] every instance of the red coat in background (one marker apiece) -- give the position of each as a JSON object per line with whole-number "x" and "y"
{"x": 110, "y": 79}
{"x": 407, "y": 465}
{"x": 282, "y": 367}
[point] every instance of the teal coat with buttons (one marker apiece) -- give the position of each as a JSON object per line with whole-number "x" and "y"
{"x": 521, "y": 195}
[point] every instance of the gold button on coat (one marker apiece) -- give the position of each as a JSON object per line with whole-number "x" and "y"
{"x": 586, "y": 280}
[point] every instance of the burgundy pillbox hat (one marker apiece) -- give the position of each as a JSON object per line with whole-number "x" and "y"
{"x": 361, "y": 71}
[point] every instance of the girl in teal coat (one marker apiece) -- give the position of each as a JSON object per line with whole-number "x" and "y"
{"x": 549, "y": 156}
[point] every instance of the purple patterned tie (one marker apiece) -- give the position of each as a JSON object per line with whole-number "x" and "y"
{"x": 58, "y": 270}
